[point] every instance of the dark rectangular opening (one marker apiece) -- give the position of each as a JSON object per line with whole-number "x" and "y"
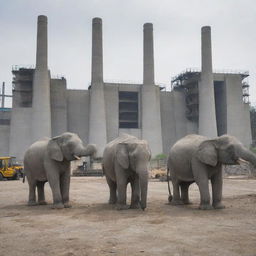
{"x": 220, "y": 107}
{"x": 128, "y": 110}
{"x": 4, "y": 121}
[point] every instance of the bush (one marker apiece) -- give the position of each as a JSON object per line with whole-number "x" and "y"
{"x": 253, "y": 149}
{"x": 160, "y": 157}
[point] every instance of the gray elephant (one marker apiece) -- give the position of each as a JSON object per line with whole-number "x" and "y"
{"x": 125, "y": 160}
{"x": 49, "y": 160}
{"x": 195, "y": 158}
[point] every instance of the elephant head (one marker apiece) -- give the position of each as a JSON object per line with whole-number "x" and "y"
{"x": 68, "y": 146}
{"x": 225, "y": 149}
{"x": 135, "y": 156}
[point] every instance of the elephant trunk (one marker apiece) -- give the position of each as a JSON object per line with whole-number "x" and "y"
{"x": 247, "y": 155}
{"x": 89, "y": 150}
{"x": 143, "y": 177}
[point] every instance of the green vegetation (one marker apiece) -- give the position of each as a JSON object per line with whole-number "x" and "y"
{"x": 253, "y": 149}
{"x": 160, "y": 157}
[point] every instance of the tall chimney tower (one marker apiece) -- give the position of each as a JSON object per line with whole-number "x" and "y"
{"x": 151, "y": 115}
{"x": 207, "y": 113}
{"x": 41, "y": 110}
{"x": 97, "y": 119}
{"x": 148, "y": 55}
{"x": 97, "y": 51}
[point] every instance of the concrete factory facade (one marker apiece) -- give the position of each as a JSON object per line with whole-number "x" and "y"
{"x": 200, "y": 102}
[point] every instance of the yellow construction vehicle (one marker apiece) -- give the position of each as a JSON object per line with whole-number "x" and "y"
{"x": 9, "y": 169}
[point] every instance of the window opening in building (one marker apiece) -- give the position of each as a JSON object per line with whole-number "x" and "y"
{"x": 128, "y": 110}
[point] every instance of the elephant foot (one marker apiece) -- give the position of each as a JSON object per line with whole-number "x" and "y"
{"x": 218, "y": 206}
{"x": 58, "y": 206}
{"x": 67, "y": 205}
{"x": 176, "y": 202}
{"x": 135, "y": 206}
{"x": 32, "y": 203}
{"x": 112, "y": 201}
{"x": 186, "y": 202}
{"x": 122, "y": 207}
{"x": 205, "y": 207}
{"x": 42, "y": 203}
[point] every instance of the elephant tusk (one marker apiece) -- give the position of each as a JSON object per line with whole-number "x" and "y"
{"x": 77, "y": 157}
{"x": 240, "y": 161}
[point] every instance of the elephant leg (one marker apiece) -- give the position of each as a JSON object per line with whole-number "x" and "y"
{"x": 40, "y": 192}
{"x": 121, "y": 192}
{"x": 217, "y": 182}
{"x": 204, "y": 193}
{"x": 112, "y": 190}
{"x": 64, "y": 188}
{"x": 176, "y": 200}
{"x": 200, "y": 172}
{"x": 55, "y": 187}
{"x": 184, "y": 192}
{"x": 135, "y": 200}
{"x": 32, "y": 192}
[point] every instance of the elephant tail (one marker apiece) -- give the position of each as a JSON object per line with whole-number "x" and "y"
{"x": 169, "y": 188}
{"x": 103, "y": 171}
{"x": 24, "y": 176}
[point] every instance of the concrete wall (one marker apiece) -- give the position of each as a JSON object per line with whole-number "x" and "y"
{"x": 175, "y": 125}
{"x": 247, "y": 140}
{"x": 180, "y": 119}
{"x": 20, "y": 132}
{"x": 167, "y": 120}
{"x": 238, "y": 123}
{"x": 78, "y": 113}
{"x": 151, "y": 118}
{"x": 4, "y": 140}
{"x": 192, "y": 127}
{"x": 111, "y": 103}
{"x": 4, "y": 132}
{"x": 58, "y": 106}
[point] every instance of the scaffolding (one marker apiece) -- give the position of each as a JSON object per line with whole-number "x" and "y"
{"x": 22, "y": 86}
{"x": 187, "y": 81}
{"x": 245, "y": 88}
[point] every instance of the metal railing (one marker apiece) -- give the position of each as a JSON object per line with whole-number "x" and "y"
{"x": 57, "y": 76}
{"x": 18, "y": 67}
{"x": 215, "y": 71}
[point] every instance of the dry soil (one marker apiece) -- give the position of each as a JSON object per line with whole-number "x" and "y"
{"x": 92, "y": 227}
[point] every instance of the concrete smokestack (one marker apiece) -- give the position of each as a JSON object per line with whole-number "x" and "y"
{"x": 150, "y": 96}
{"x": 97, "y": 119}
{"x": 207, "y": 112}
{"x": 41, "y": 111}
{"x": 148, "y": 54}
{"x": 97, "y": 51}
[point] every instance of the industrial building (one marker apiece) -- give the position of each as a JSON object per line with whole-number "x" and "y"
{"x": 201, "y": 101}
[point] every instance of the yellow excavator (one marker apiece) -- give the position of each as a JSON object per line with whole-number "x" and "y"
{"x": 9, "y": 169}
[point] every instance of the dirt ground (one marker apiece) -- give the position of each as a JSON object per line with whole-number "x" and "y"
{"x": 92, "y": 227}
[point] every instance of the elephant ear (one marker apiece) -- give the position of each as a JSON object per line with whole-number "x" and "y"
{"x": 55, "y": 150}
{"x": 122, "y": 155}
{"x": 207, "y": 153}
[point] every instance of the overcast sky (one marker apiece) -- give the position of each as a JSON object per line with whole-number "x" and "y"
{"x": 177, "y": 25}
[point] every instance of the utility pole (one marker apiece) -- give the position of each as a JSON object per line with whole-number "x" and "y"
{"x": 3, "y": 96}
{"x": 3, "y": 92}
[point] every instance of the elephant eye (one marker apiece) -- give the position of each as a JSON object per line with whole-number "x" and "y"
{"x": 230, "y": 148}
